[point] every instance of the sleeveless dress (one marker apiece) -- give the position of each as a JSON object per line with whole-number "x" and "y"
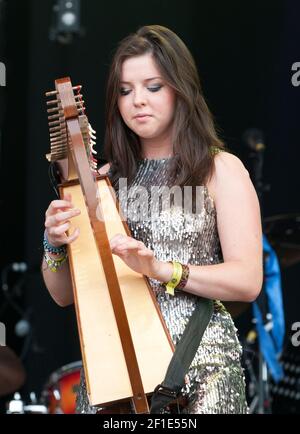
{"x": 215, "y": 382}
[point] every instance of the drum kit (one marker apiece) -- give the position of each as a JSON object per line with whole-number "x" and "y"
{"x": 59, "y": 392}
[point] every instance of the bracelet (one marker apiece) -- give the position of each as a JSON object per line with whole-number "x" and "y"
{"x": 55, "y": 264}
{"x": 175, "y": 279}
{"x": 179, "y": 278}
{"x": 184, "y": 277}
{"x": 61, "y": 250}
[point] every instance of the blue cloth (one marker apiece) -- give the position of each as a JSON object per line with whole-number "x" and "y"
{"x": 271, "y": 342}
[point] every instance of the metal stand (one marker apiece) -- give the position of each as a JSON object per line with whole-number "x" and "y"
{"x": 259, "y": 376}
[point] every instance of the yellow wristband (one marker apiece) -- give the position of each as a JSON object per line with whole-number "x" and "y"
{"x": 175, "y": 279}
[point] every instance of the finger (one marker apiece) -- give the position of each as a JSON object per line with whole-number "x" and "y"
{"x": 57, "y": 204}
{"x": 122, "y": 253}
{"x": 58, "y": 218}
{"x": 128, "y": 247}
{"x": 116, "y": 239}
{"x": 57, "y": 231}
{"x": 65, "y": 215}
{"x": 131, "y": 244}
{"x": 73, "y": 236}
{"x": 145, "y": 252}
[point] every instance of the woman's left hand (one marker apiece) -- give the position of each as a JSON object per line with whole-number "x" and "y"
{"x": 135, "y": 254}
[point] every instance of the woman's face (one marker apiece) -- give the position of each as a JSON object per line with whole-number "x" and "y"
{"x": 146, "y": 102}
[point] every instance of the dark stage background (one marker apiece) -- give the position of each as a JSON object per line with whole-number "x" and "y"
{"x": 244, "y": 52}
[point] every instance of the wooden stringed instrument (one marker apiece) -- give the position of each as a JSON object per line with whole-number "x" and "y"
{"x": 121, "y": 328}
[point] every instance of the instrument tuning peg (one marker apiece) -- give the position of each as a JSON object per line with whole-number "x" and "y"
{"x": 92, "y": 131}
{"x": 51, "y": 93}
{"x": 78, "y": 87}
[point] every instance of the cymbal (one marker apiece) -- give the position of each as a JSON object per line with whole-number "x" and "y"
{"x": 283, "y": 233}
{"x": 12, "y": 373}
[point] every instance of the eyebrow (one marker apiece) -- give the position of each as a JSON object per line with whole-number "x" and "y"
{"x": 147, "y": 79}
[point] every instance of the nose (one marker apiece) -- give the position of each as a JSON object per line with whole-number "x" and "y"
{"x": 139, "y": 98}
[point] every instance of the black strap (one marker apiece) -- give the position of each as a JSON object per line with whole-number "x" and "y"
{"x": 183, "y": 356}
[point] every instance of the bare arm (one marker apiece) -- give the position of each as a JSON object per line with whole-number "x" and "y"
{"x": 57, "y": 222}
{"x": 59, "y": 284}
{"x": 239, "y": 278}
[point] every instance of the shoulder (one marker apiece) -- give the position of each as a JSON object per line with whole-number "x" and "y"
{"x": 228, "y": 164}
{"x": 104, "y": 169}
{"x": 228, "y": 170}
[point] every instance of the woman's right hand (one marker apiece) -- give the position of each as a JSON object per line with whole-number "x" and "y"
{"x": 57, "y": 221}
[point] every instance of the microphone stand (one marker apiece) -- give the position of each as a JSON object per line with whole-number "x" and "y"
{"x": 259, "y": 383}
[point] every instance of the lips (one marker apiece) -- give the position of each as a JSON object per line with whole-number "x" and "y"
{"x": 141, "y": 116}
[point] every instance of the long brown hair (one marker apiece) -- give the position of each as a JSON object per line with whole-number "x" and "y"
{"x": 194, "y": 134}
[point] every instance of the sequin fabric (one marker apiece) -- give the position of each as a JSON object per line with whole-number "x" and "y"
{"x": 215, "y": 381}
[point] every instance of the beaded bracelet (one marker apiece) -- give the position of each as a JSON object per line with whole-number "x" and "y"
{"x": 55, "y": 264}
{"x": 61, "y": 250}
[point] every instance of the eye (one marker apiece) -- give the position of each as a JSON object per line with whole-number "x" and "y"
{"x": 155, "y": 88}
{"x": 124, "y": 91}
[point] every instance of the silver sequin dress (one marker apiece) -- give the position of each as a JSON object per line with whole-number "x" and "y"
{"x": 215, "y": 380}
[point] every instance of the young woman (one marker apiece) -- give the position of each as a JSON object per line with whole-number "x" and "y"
{"x": 160, "y": 132}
